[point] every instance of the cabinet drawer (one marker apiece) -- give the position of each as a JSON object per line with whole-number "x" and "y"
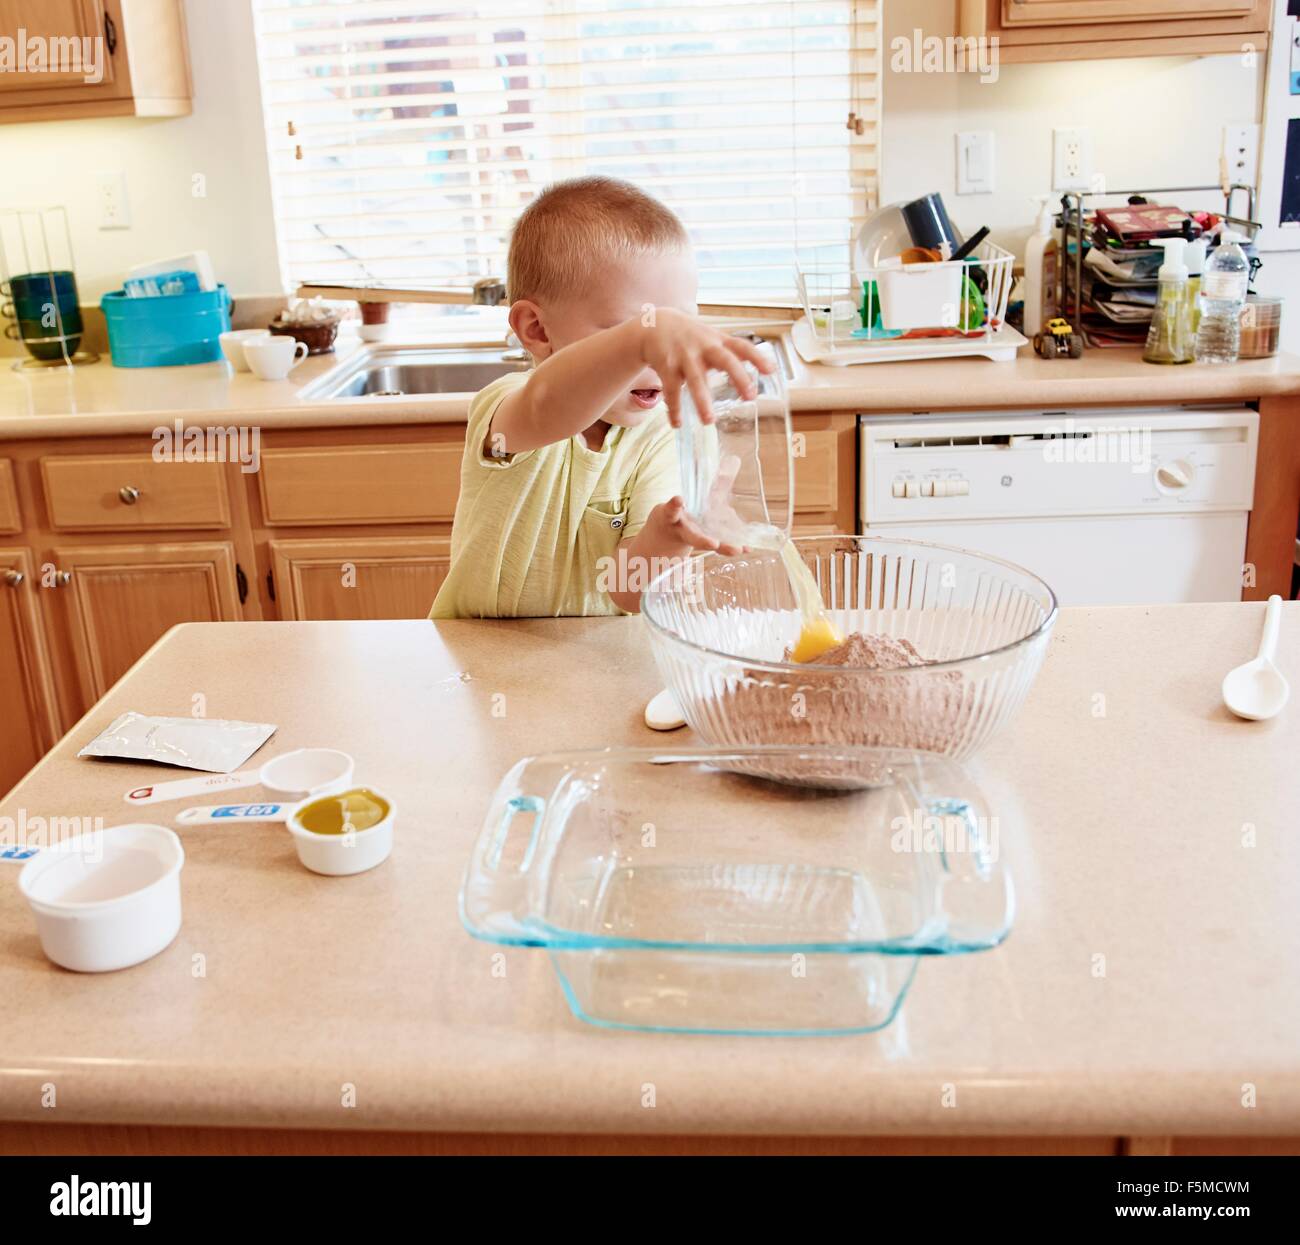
{"x": 10, "y": 518}
{"x": 336, "y": 485}
{"x": 816, "y": 471}
{"x": 133, "y": 492}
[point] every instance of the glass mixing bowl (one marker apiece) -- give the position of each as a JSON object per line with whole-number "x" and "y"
{"x": 720, "y": 628}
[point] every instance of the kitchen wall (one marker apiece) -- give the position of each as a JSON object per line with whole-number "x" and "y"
{"x": 1154, "y": 122}
{"x": 56, "y": 162}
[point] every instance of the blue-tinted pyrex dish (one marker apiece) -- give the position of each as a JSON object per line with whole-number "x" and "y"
{"x": 677, "y": 892}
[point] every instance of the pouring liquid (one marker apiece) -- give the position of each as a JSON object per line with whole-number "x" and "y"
{"x": 818, "y": 634}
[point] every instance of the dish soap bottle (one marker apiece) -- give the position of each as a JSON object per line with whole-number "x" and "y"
{"x": 1194, "y": 258}
{"x": 1168, "y": 340}
{"x": 1223, "y": 291}
{"x": 1040, "y": 269}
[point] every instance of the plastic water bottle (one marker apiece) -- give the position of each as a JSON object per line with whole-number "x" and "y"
{"x": 1223, "y": 293}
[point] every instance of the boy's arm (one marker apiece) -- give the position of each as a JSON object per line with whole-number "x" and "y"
{"x": 571, "y": 390}
{"x": 669, "y": 532}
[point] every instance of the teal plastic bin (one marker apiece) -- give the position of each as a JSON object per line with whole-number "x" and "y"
{"x": 166, "y": 331}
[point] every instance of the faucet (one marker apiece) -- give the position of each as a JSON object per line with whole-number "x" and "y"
{"x": 514, "y": 351}
{"x": 489, "y": 292}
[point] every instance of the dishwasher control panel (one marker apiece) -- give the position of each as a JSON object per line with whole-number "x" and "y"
{"x": 1011, "y": 465}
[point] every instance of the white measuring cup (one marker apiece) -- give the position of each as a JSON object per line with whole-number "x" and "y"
{"x": 353, "y": 851}
{"x": 292, "y": 775}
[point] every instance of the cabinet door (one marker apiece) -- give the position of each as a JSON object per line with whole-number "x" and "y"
{"x": 121, "y": 599}
{"x": 370, "y": 578}
{"x": 1069, "y": 12}
{"x": 44, "y": 29}
{"x": 28, "y": 727}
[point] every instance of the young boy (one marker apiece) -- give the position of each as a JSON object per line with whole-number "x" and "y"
{"x": 569, "y": 481}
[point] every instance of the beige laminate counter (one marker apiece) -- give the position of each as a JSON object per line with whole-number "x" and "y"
{"x": 105, "y": 400}
{"x": 1154, "y": 836}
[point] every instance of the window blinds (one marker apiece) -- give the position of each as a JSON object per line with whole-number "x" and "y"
{"x": 405, "y": 136}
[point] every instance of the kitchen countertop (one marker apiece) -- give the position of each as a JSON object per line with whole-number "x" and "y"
{"x": 1150, "y": 975}
{"x": 104, "y": 400}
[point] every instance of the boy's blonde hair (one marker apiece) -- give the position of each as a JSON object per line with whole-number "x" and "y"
{"x": 575, "y": 228}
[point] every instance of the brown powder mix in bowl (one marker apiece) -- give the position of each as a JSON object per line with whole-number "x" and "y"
{"x": 871, "y": 652}
{"x": 848, "y": 697}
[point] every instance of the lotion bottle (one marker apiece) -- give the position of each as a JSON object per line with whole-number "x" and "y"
{"x": 1040, "y": 269}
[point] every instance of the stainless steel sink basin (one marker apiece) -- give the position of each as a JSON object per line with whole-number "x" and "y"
{"x": 393, "y": 371}
{"x": 397, "y": 371}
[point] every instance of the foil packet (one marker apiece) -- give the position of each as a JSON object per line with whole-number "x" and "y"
{"x": 215, "y": 745}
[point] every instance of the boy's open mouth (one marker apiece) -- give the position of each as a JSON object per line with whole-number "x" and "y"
{"x": 646, "y": 398}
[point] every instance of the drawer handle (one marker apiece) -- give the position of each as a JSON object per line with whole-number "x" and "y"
{"x": 62, "y": 579}
{"x": 129, "y": 494}
{"x": 14, "y": 578}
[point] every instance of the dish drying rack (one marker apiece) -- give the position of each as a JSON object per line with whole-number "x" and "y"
{"x": 902, "y": 294}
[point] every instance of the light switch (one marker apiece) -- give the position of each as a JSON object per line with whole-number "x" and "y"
{"x": 975, "y": 162}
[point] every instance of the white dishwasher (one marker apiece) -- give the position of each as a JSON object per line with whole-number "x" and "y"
{"x": 1113, "y": 506}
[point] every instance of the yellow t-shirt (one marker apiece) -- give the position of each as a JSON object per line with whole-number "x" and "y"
{"x": 531, "y": 529}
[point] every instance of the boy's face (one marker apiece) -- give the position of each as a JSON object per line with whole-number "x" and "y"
{"x": 629, "y": 290}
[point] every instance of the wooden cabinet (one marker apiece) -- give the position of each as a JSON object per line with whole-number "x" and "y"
{"x": 359, "y": 578}
{"x": 328, "y": 485}
{"x": 28, "y": 725}
{"x": 825, "y": 473}
{"x": 133, "y": 492}
{"x": 10, "y": 517}
{"x": 120, "y": 599}
{"x": 1054, "y": 30}
{"x": 47, "y": 25}
{"x": 94, "y": 58}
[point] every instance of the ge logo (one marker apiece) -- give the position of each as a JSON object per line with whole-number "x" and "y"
{"x": 1006, "y": 481}
{"x": 616, "y": 523}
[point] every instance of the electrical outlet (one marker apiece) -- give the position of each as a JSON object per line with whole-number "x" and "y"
{"x": 1072, "y": 159}
{"x": 114, "y": 209}
{"x": 1241, "y": 153}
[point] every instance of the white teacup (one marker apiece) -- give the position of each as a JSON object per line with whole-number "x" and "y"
{"x": 232, "y": 346}
{"x": 272, "y": 357}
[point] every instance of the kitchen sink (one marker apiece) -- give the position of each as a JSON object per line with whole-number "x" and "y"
{"x": 426, "y": 370}
{"x": 395, "y": 371}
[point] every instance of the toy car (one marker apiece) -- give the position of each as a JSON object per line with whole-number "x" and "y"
{"x": 1058, "y": 338}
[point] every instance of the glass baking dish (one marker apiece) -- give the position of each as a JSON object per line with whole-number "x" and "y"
{"x": 677, "y": 891}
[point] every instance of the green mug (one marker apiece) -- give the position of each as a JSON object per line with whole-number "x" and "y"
{"x": 45, "y": 313}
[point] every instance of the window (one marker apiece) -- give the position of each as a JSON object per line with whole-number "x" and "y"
{"x": 406, "y": 135}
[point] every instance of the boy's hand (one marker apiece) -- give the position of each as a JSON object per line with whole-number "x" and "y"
{"x": 681, "y": 349}
{"x": 669, "y": 533}
{"x": 674, "y": 533}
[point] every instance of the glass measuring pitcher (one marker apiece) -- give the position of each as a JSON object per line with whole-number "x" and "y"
{"x": 738, "y": 472}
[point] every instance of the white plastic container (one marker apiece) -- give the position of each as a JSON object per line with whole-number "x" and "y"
{"x": 106, "y": 900}
{"x": 920, "y": 296}
{"x": 197, "y": 262}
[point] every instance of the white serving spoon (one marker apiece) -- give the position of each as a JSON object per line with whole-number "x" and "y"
{"x": 663, "y": 713}
{"x": 1258, "y": 689}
